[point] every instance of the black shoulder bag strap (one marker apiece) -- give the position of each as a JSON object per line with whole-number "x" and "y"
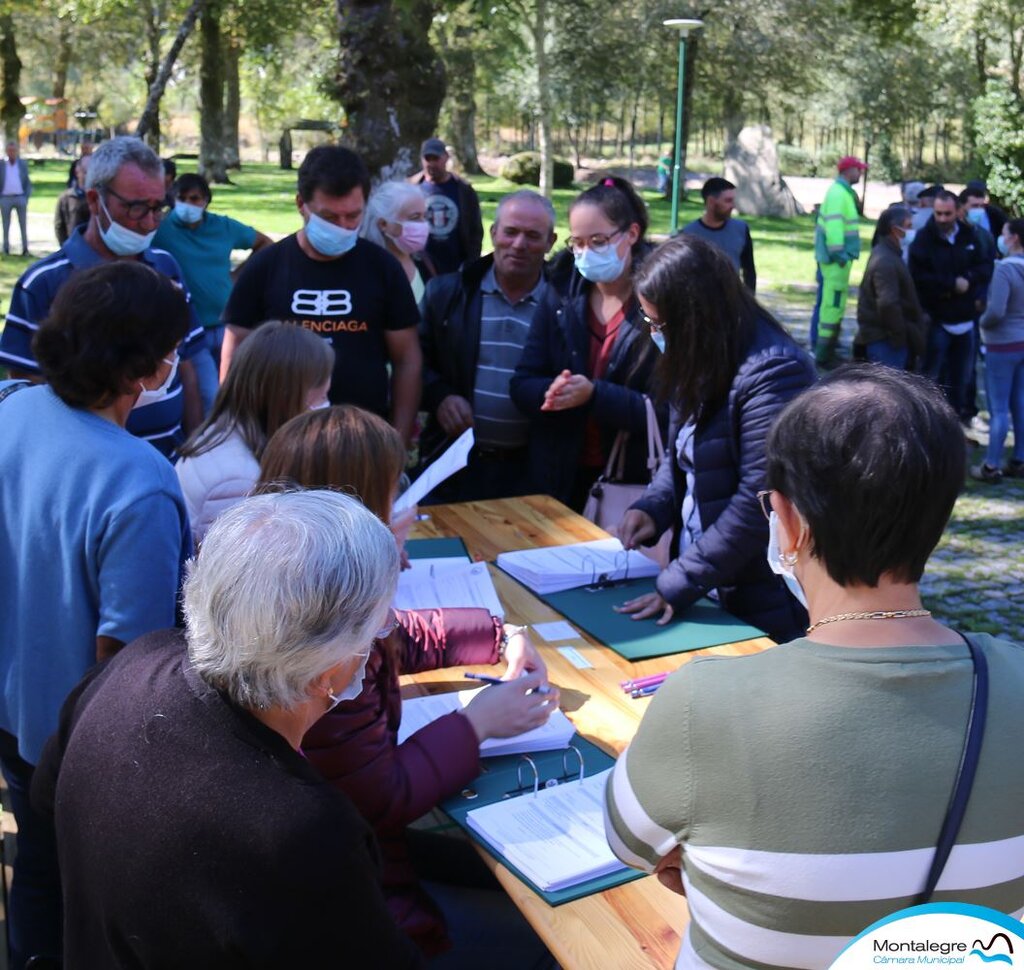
{"x": 965, "y": 771}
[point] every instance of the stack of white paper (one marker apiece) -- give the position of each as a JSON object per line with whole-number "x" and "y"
{"x": 434, "y": 583}
{"x": 554, "y": 837}
{"x": 418, "y": 712}
{"x": 556, "y": 568}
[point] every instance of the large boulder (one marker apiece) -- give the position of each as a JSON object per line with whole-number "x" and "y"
{"x": 752, "y": 164}
{"x": 524, "y": 169}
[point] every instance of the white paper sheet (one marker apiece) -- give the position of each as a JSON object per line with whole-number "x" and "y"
{"x": 555, "y": 837}
{"x": 447, "y": 465}
{"x": 555, "y": 568}
{"x": 456, "y": 583}
{"x": 418, "y": 712}
{"x": 556, "y": 630}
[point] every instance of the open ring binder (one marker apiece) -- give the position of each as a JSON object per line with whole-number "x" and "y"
{"x": 568, "y": 773}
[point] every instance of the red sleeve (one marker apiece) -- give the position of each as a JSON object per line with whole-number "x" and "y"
{"x": 446, "y": 638}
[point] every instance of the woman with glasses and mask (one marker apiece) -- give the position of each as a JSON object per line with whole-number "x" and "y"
{"x": 726, "y": 369}
{"x": 588, "y": 363}
{"x": 179, "y": 764}
{"x": 890, "y": 323}
{"x": 801, "y": 794}
{"x": 436, "y": 887}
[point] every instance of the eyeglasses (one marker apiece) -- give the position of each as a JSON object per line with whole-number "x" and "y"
{"x": 385, "y": 631}
{"x": 598, "y": 243}
{"x": 656, "y": 325}
{"x": 764, "y": 500}
{"x": 137, "y": 209}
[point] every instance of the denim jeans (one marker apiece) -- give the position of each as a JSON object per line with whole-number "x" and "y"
{"x": 949, "y": 359}
{"x": 34, "y": 919}
{"x": 1004, "y": 387}
{"x": 207, "y": 366}
{"x": 882, "y": 352}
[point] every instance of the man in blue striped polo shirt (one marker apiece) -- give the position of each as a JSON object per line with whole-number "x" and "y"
{"x": 125, "y": 192}
{"x": 474, "y": 326}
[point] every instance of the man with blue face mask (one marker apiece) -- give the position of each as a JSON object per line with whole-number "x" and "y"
{"x": 202, "y": 242}
{"x": 124, "y": 190}
{"x": 348, "y": 290}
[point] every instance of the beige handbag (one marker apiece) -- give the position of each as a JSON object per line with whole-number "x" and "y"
{"x": 610, "y": 497}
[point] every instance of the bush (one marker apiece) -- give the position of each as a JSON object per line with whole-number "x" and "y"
{"x": 795, "y": 161}
{"x": 999, "y": 129}
{"x": 828, "y": 158}
{"x": 524, "y": 169}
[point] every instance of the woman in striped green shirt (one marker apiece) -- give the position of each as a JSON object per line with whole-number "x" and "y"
{"x": 796, "y": 796}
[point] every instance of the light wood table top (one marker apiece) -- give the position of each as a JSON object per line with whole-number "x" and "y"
{"x": 637, "y": 925}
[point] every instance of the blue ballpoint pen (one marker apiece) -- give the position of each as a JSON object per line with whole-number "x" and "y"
{"x": 487, "y": 679}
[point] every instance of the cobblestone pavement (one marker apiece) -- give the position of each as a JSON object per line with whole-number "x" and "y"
{"x": 975, "y": 578}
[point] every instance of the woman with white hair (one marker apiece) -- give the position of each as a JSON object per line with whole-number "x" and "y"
{"x": 396, "y": 218}
{"x": 178, "y": 763}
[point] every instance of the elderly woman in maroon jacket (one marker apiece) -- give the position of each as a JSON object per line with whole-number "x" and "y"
{"x": 355, "y": 745}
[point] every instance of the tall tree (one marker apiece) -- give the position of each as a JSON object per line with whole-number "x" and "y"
{"x": 232, "y": 100}
{"x": 11, "y": 110}
{"x": 212, "y": 165}
{"x": 389, "y": 80}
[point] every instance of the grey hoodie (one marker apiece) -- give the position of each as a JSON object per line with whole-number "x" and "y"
{"x": 1003, "y": 319}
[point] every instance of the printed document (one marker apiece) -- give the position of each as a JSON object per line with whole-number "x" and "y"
{"x": 431, "y": 585}
{"x": 448, "y": 464}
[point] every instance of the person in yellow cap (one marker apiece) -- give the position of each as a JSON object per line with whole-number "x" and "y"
{"x": 836, "y": 246}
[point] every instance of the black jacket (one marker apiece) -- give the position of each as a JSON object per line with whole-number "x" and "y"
{"x": 935, "y": 265}
{"x": 559, "y": 340}
{"x": 729, "y": 470}
{"x": 471, "y": 224}
{"x": 888, "y": 308}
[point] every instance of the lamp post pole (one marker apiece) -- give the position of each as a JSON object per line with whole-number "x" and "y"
{"x": 684, "y": 27}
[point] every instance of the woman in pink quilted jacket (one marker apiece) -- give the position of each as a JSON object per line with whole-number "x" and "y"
{"x": 437, "y": 888}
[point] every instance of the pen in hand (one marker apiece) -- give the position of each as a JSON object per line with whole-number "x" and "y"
{"x": 487, "y": 679}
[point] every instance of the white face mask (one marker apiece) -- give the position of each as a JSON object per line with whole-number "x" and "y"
{"x": 328, "y": 239}
{"x": 776, "y": 564}
{"x": 319, "y": 407}
{"x": 157, "y": 394}
{"x": 354, "y": 688}
{"x": 188, "y": 213}
{"x": 120, "y": 240}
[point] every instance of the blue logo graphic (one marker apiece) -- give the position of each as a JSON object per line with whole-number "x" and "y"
{"x": 989, "y": 957}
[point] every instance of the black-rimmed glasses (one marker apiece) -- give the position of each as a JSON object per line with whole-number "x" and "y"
{"x": 137, "y": 209}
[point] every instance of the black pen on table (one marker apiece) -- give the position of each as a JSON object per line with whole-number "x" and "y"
{"x": 488, "y": 679}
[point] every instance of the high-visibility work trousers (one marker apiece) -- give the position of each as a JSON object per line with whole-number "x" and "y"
{"x": 835, "y": 286}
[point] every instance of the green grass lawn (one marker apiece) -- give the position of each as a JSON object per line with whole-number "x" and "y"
{"x": 264, "y": 196}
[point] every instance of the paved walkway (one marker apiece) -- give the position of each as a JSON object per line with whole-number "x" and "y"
{"x": 975, "y": 578}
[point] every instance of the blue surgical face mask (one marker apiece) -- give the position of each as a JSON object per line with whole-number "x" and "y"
{"x": 1001, "y": 245}
{"x": 776, "y": 564}
{"x": 354, "y": 688}
{"x": 976, "y": 217}
{"x": 659, "y": 340}
{"x": 121, "y": 241}
{"x": 188, "y": 213}
{"x": 328, "y": 239}
{"x": 603, "y": 267}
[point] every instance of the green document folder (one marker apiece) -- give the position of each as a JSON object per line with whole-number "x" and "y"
{"x": 501, "y": 778}
{"x": 705, "y": 624}
{"x": 436, "y": 549}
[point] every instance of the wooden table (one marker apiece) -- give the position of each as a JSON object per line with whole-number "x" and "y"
{"x": 637, "y": 925}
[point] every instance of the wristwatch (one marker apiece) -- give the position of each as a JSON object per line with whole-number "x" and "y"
{"x": 507, "y": 633}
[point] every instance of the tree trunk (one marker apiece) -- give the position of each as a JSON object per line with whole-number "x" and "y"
{"x": 211, "y": 97}
{"x": 62, "y": 61}
{"x": 11, "y": 111}
{"x": 149, "y": 122}
{"x": 460, "y": 67}
{"x": 232, "y": 102}
{"x": 547, "y": 160}
{"x": 389, "y": 81}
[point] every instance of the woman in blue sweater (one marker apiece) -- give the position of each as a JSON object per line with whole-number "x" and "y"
{"x": 727, "y": 369}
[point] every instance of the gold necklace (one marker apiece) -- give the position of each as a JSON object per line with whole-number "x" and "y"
{"x": 874, "y": 615}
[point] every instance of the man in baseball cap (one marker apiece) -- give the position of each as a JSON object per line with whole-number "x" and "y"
{"x": 836, "y": 246}
{"x": 453, "y": 210}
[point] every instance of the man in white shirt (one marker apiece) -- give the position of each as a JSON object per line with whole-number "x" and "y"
{"x": 14, "y": 193}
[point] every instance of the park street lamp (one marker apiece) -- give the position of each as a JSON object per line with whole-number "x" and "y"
{"x": 684, "y": 27}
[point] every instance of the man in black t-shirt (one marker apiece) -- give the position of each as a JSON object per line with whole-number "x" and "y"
{"x": 352, "y": 292}
{"x": 453, "y": 210}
